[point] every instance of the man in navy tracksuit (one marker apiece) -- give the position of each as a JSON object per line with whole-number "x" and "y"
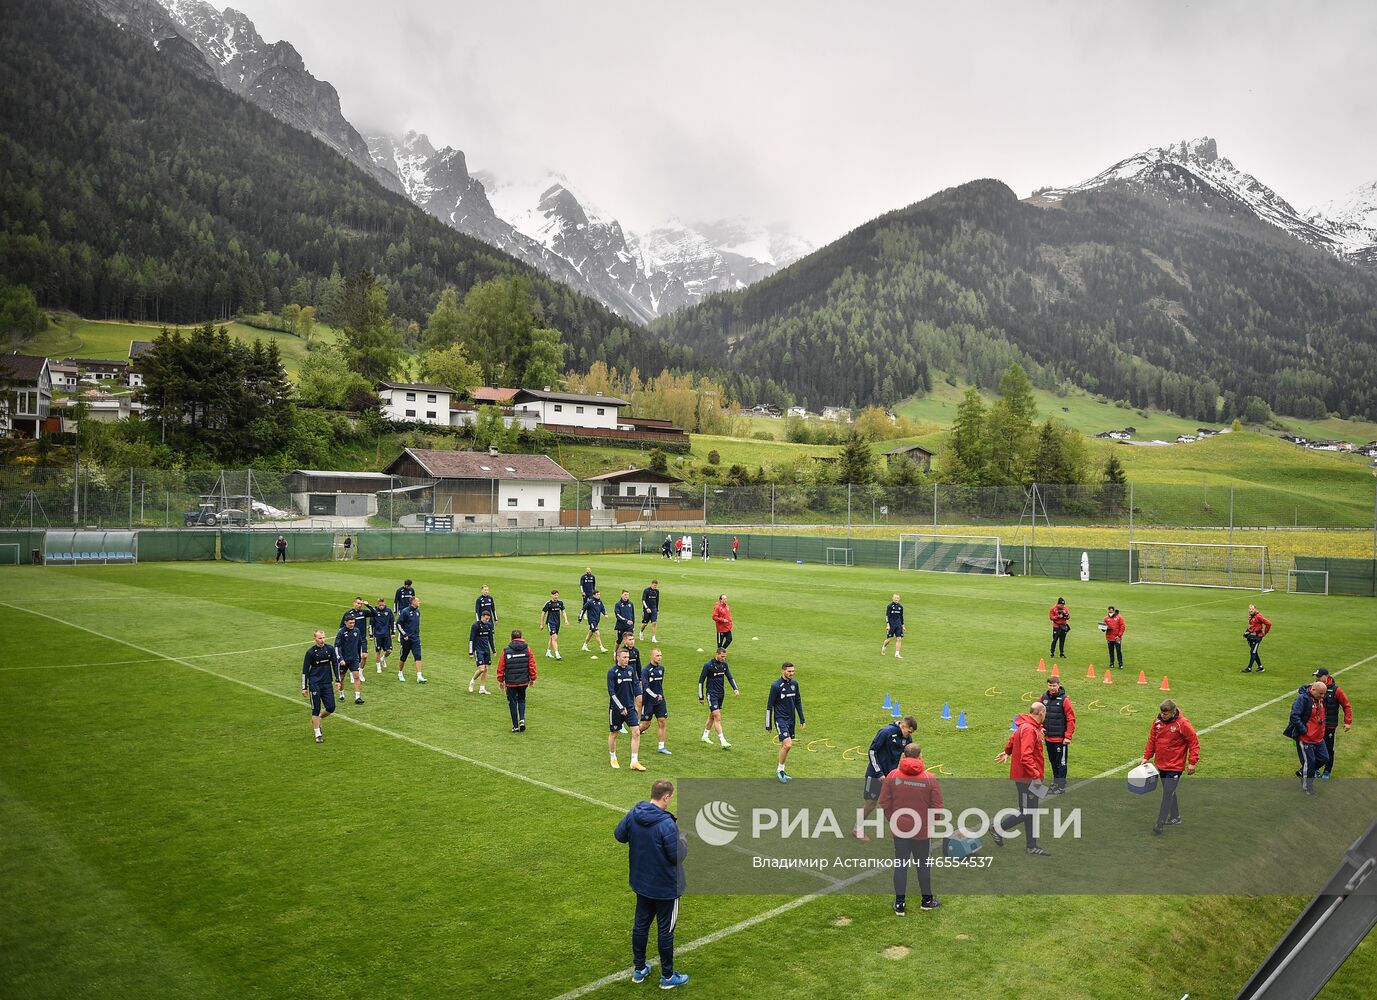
{"x": 785, "y": 702}
{"x": 363, "y": 616}
{"x": 401, "y": 600}
{"x": 623, "y": 691}
{"x": 650, "y": 610}
{"x": 481, "y": 645}
{"x": 884, "y": 754}
{"x": 319, "y": 674}
{"x": 595, "y": 610}
{"x": 588, "y": 584}
{"x": 894, "y": 628}
{"x": 516, "y": 671}
{"x": 625, "y": 613}
{"x": 657, "y": 877}
{"x": 712, "y": 686}
{"x": 384, "y": 624}
{"x": 653, "y": 704}
{"x": 484, "y": 604}
{"x": 349, "y": 644}
{"x": 409, "y": 625}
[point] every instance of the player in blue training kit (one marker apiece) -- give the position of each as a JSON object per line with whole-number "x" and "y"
{"x": 595, "y": 610}
{"x": 885, "y": 751}
{"x": 623, "y": 691}
{"x": 349, "y": 645}
{"x": 650, "y": 610}
{"x": 588, "y": 585}
{"x": 363, "y": 616}
{"x": 653, "y": 698}
{"x": 481, "y": 647}
{"x": 551, "y": 614}
{"x": 384, "y": 625}
{"x": 781, "y": 708}
{"x": 409, "y": 626}
{"x": 712, "y": 685}
{"x": 894, "y": 621}
{"x": 633, "y": 654}
{"x": 319, "y": 674}
{"x": 625, "y": 614}
{"x": 484, "y": 603}
{"x": 401, "y": 600}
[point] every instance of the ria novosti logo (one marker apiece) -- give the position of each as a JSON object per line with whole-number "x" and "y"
{"x": 717, "y": 823}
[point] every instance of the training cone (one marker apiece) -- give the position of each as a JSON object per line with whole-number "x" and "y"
{"x": 888, "y": 702}
{"x": 1109, "y": 677}
{"x": 1042, "y": 666}
{"x": 1013, "y": 726}
{"x": 1090, "y": 674}
{"x": 946, "y": 711}
{"x": 1165, "y": 686}
{"x": 895, "y": 713}
{"x": 1142, "y": 677}
{"x": 1055, "y": 671}
{"x": 961, "y": 721}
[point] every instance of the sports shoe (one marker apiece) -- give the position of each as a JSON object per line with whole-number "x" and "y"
{"x": 1247, "y": 670}
{"x": 897, "y": 656}
{"x": 883, "y": 651}
{"x": 707, "y": 739}
{"x": 784, "y": 779}
{"x": 669, "y": 982}
{"x": 1174, "y": 822}
{"x": 640, "y": 975}
{"x": 1261, "y": 669}
{"x": 470, "y": 687}
{"x": 602, "y": 649}
{"x": 636, "y": 765}
{"x": 725, "y": 744}
{"x": 484, "y": 690}
{"x": 320, "y": 737}
{"x": 930, "y": 904}
{"x": 379, "y": 668}
{"x": 515, "y": 730}
{"x": 999, "y": 840}
{"x": 548, "y": 654}
{"x": 664, "y": 751}
{"x": 1039, "y": 852}
{"x": 654, "y": 638}
{"x": 859, "y": 834}
{"x": 624, "y": 729}
{"x": 615, "y": 765}
{"x": 585, "y": 648}
{"x": 900, "y": 908}
{"x": 1157, "y": 829}
{"x": 522, "y": 725}
{"x": 358, "y": 701}
{"x": 401, "y": 676}
{"x": 1324, "y": 776}
{"x": 558, "y": 657}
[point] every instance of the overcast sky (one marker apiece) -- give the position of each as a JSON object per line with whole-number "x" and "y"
{"x": 821, "y": 114}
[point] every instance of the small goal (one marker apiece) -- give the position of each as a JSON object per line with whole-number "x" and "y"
{"x": 9, "y": 554}
{"x": 1307, "y": 581}
{"x": 839, "y": 556}
{"x": 939, "y": 553}
{"x": 1200, "y": 564}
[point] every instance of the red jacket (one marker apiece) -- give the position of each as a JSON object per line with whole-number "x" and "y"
{"x": 1024, "y": 748}
{"x": 722, "y": 617}
{"x": 910, "y": 786}
{"x": 1257, "y": 624}
{"x": 1173, "y": 743}
{"x": 1314, "y": 724}
{"x": 1342, "y": 699}
{"x": 1058, "y": 614}
{"x": 678, "y": 545}
{"x": 502, "y": 668}
{"x": 1115, "y": 627}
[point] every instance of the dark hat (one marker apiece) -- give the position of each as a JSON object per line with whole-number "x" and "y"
{"x": 1061, "y": 600}
{"x": 1322, "y": 672}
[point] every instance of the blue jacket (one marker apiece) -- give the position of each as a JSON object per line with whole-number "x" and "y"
{"x": 384, "y": 622}
{"x": 657, "y": 851}
{"x": 409, "y": 623}
{"x": 623, "y": 685}
{"x": 595, "y": 610}
{"x": 625, "y": 612}
{"x": 349, "y": 644}
{"x": 1300, "y": 713}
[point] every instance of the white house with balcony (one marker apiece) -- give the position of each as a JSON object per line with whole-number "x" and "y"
{"x": 29, "y": 401}
{"x": 571, "y": 409}
{"x": 416, "y": 401}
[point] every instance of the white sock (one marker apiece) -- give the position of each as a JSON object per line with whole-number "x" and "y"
{"x": 482, "y": 689}
{"x": 317, "y": 730}
{"x": 707, "y": 734}
{"x": 781, "y": 768}
{"x": 420, "y": 676}
{"x": 662, "y": 744}
{"x": 633, "y": 758}
{"x": 721, "y": 737}
{"x": 613, "y": 755}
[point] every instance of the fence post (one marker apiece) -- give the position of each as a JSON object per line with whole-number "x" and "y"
{"x": 705, "y": 508}
{"x": 1374, "y": 521}
{"x": 1130, "y": 532}
{"x": 131, "y": 496}
{"x": 772, "y": 512}
{"x": 76, "y": 486}
{"x": 248, "y": 488}
{"x": 848, "y": 512}
{"x": 934, "y": 508}
{"x": 577, "y": 550}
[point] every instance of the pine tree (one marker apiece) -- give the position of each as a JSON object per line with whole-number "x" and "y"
{"x": 442, "y": 328}
{"x": 856, "y": 464}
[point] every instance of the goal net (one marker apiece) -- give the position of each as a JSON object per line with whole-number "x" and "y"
{"x": 1195, "y": 564}
{"x": 938, "y": 553}
{"x": 838, "y": 556}
{"x": 1307, "y": 581}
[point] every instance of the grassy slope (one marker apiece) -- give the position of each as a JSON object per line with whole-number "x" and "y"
{"x": 188, "y": 838}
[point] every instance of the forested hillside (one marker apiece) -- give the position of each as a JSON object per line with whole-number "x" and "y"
{"x": 130, "y": 188}
{"x": 1162, "y": 304}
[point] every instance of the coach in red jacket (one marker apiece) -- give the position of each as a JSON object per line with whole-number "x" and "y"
{"x": 1023, "y": 751}
{"x": 909, "y": 797}
{"x": 1258, "y": 627}
{"x": 1172, "y": 741}
{"x": 1058, "y": 726}
{"x": 1060, "y": 616}
{"x": 1334, "y": 699}
{"x": 722, "y": 619}
{"x": 1114, "y": 635}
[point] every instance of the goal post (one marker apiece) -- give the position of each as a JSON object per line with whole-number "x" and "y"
{"x": 1201, "y": 564}
{"x": 1307, "y": 581}
{"x": 839, "y": 556}
{"x": 9, "y": 554}
{"x": 938, "y": 553}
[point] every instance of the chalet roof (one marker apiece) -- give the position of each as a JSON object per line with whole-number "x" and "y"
{"x": 415, "y": 387}
{"x": 138, "y": 348}
{"x": 633, "y": 475}
{"x": 481, "y": 465}
{"x": 569, "y": 397}
{"x": 23, "y": 367}
{"x": 908, "y": 449}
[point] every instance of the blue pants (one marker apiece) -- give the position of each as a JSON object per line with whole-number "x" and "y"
{"x": 1169, "y": 810}
{"x": 665, "y": 913}
{"x": 516, "y": 701}
{"x": 1313, "y": 758}
{"x": 912, "y": 853}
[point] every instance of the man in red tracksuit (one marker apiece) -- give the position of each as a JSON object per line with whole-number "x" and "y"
{"x": 1114, "y": 635}
{"x": 1334, "y": 699}
{"x": 1060, "y": 616}
{"x": 722, "y": 619}
{"x": 909, "y": 797}
{"x": 1058, "y": 726}
{"x": 1258, "y": 627}
{"x": 1023, "y": 751}
{"x": 1172, "y": 741}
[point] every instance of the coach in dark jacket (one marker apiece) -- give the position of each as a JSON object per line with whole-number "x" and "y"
{"x": 516, "y": 671}
{"x": 656, "y": 857}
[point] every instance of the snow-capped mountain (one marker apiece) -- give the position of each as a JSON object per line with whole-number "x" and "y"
{"x": 1195, "y": 167}
{"x": 1354, "y": 216}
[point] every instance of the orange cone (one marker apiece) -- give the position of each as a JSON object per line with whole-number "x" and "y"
{"x": 1165, "y": 686}
{"x": 1090, "y": 674}
{"x": 1142, "y": 677}
{"x": 1042, "y": 666}
{"x": 1109, "y": 677}
{"x": 1055, "y": 671}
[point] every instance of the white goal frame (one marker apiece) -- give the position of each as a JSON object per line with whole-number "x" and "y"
{"x": 1292, "y": 574}
{"x": 10, "y": 545}
{"x": 1241, "y": 579}
{"x": 847, "y": 556}
{"x": 914, "y": 537}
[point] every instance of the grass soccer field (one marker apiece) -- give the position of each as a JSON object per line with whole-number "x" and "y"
{"x": 172, "y": 830}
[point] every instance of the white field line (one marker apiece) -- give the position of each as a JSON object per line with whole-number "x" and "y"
{"x": 760, "y": 918}
{"x": 1197, "y": 604}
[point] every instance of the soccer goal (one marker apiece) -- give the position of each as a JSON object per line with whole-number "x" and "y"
{"x": 839, "y": 556}
{"x": 1307, "y": 581}
{"x": 1198, "y": 564}
{"x": 938, "y": 553}
{"x": 9, "y": 554}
